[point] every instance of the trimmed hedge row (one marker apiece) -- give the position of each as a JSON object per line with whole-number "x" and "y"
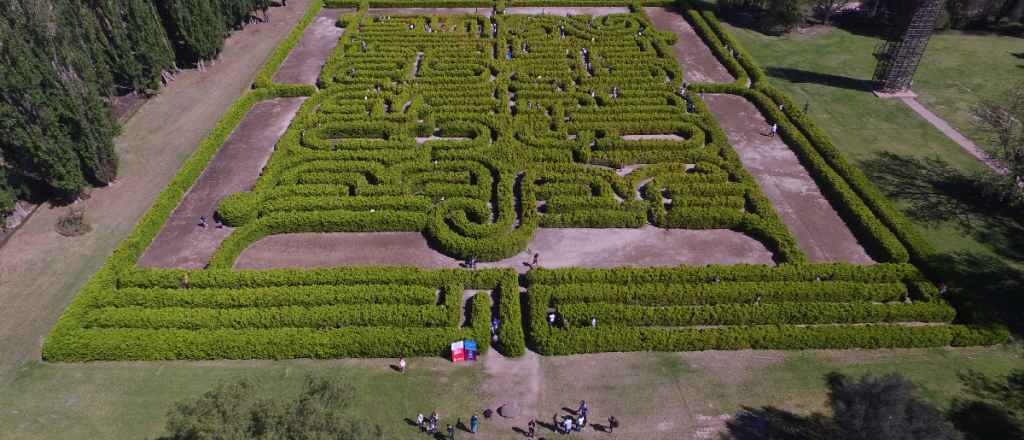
{"x": 221, "y": 298}
{"x": 750, "y": 314}
{"x": 665, "y": 295}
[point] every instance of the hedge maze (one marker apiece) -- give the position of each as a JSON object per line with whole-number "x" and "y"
{"x": 477, "y": 130}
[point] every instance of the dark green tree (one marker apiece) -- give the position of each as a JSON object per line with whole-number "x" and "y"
{"x": 788, "y": 13}
{"x": 235, "y": 411}
{"x": 885, "y": 408}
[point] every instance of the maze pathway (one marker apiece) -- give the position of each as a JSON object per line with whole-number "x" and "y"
{"x": 308, "y": 56}
{"x": 182, "y": 243}
{"x": 819, "y": 230}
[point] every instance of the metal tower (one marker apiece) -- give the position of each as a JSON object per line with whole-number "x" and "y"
{"x": 899, "y": 56}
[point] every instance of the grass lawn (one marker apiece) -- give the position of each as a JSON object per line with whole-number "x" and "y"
{"x": 923, "y": 172}
{"x": 983, "y": 65}
{"x": 653, "y": 394}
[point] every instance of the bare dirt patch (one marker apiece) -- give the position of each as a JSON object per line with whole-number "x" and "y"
{"x": 307, "y": 58}
{"x": 182, "y": 243}
{"x": 643, "y": 247}
{"x": 819, "y": 230}
{"x": 696, "y": 59}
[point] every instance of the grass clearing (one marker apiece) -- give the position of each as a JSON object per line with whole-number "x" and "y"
{"x": 667, "y": 392}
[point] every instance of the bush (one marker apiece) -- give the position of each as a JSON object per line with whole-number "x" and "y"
{"x": 73, "y": 223}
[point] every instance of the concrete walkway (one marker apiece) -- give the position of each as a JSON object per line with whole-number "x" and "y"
{"x": 955, "y": 135}
{"x": 236, "y": 167}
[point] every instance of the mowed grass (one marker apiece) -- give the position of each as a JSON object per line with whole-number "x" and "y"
{"x": 653, "y": 394}
{"x": 922, "y": 171}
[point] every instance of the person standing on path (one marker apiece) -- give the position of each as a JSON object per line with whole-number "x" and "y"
{"x": 203, "y": 220}
{"x": 473, "y": 422}
{"x": 401, "y": 365}
{"x": 532, "y": 426}
{"x": 775, "y": 128}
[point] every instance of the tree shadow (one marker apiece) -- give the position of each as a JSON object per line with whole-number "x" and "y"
{"x": 771, "y": 423}
{"x": 798, "y": 76}
{"x": 990, "y": 414}
{"x": 938, "y": 195}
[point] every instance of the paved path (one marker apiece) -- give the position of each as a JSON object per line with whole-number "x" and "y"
{"x": 819, "y": 230}
{"x": 307, "y": 58}
{"x": 698, "y": 62}
{"x": 181, "y": 243}
{"x": 643, "y": 247}
{"x": 955, "y": 135}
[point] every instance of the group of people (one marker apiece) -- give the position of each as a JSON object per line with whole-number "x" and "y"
{"x": 569, "y": 423}
{"x": 429, "y": 425}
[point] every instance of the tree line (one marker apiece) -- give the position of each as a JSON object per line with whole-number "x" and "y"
{"x": 957, "y": 14}
{"x": 62, "y": 60}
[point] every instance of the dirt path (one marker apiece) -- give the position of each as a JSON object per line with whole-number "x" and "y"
{"x": 955, "y": 135}
{"x": 819, "y": 230}
{"x": 696, "y": 59}
{"x": 41, "y": 272}
{"x": 644, "y": 247}
{"x": 307, "y": 58}
{"x": 237, "y": 165}
{"x": 518, "y": 380}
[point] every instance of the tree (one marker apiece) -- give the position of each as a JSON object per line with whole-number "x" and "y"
{"x": 1003, "y": 115}
{"x": 235, "y": 411}
{"x": 788, "y": 13}
{"x": 828, "y": 8}
{"x": 883, "y": 408}
{"x": 997, "y": 410}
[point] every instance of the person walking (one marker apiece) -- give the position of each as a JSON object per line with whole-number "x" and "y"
{"x": 593, "y": 322}
{"x": 536, "y": 257}
{"x": 806, "y": 104}
{"x": 203, "y": 220}
{"x": 473, "y": 422}
{"x": 401, "y": 365}
{"x": 775, "y": 128}
{"x": 612, "y": 424}
{"x": 532, "y": 426}
{"x": 419, "y": 420}
{"x": 451, "y": 432}
{"x": 551, "y": 319}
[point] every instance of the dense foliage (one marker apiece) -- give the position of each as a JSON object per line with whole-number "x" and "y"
{"x": 62, "y": 60}
{"x": 236, "y": 410}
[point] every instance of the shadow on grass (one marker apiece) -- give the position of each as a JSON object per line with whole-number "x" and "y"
{"x": 798, "y": 76}
{"x": 939, "y": 195}
{"x": 771, "y": 423}
{"x": 995, "y": 409}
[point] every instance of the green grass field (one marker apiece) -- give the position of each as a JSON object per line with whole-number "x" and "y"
{"x": 122, "y": 400}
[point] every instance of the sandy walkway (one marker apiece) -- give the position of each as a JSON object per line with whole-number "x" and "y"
{"x": 644, "y": 247}
{"x": 307, "y": 58}
{"x": 237, "y": 165}
{"x": 817, "y": 227}
{"x": 696, "y": 59}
